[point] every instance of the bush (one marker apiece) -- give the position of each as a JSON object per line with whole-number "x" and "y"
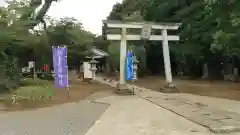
{"x": 45, "y": 76}
{"x": 10, "y": 74}
{"x": 32, "y": 82}
{"x": 28, "y": 75}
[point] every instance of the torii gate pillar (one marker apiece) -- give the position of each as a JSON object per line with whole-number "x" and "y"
{"x": 145, "y": 35}
{"x": 123, "y": 52}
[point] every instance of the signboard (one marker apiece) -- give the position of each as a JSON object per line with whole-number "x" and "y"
{"x": 87, "y": 73}
{"x": 30, "y": 64}
{"x": 128, "y": 66}
{"x": 146, "y": 32}
{"x": 60, "y": 67}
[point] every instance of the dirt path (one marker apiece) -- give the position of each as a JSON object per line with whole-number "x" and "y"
{"x": 219, "y": 89}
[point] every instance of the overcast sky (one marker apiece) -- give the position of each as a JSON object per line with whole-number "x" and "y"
{"x": 89, "y": 12}
{"x": 1, "y": 2}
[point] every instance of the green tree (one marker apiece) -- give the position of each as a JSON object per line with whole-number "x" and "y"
{"x": 21, "y": 41}
{"x": 208, "y": 34}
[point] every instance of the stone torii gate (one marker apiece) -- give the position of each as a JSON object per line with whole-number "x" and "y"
{"x": 146, "y": 28}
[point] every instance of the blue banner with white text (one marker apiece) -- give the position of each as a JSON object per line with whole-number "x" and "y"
{"x": 128, "y": 66}
{"x": 60, "y": 67}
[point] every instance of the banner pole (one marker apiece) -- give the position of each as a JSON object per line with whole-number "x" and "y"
{"x": 68, "y": 89}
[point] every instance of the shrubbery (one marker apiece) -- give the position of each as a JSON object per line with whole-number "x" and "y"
{"x": 10, "y": 74}
{"x": 45, "y": 76}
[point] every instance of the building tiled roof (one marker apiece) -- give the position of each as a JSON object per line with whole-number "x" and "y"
{"x": 97, "y": 53}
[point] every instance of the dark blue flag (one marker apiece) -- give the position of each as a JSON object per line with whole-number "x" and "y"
{"x": 128, "y": 66}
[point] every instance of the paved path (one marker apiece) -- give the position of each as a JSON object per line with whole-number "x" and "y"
{"x": 131, "y": 115}
{"x": 216, "y": 119}
{"x": 113, "y": 115}
{"x": 225, "y": 104}
{"x": 67, "y": 119}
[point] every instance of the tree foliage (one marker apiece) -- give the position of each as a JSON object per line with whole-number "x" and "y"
{"x": 208, "y": 34}
{"x": 22, "y": 40}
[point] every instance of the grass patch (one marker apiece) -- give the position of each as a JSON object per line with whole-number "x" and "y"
{"x": 29, "y": 90}
{"x": 5, "y": 97}
{"x": 40, "y": 92}
{"x": 36, "y": 82}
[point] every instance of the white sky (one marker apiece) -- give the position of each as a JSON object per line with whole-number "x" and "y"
{"x": 2, "y": 2}
{"x": 89, "y": 12}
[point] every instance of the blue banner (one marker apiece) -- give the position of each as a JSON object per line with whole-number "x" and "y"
{"x": 128, "y": 66}
{"x": 60, "y": 66}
